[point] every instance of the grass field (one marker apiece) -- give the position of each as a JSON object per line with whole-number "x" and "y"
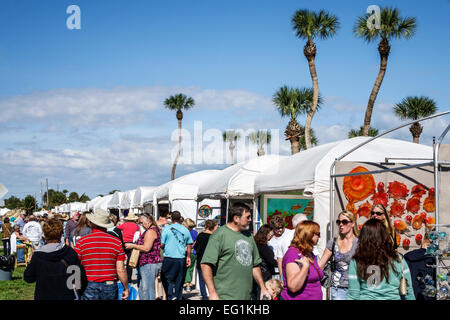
{"x": 17, "y": 288}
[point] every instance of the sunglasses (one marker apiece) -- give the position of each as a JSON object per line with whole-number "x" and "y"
{"x": 377, "y": 213}
{"x": 344, "y": 222}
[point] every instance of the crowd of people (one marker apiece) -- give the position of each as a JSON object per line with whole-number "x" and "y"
{"x": 275, "y": 263}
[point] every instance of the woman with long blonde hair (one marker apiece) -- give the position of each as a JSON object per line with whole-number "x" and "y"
{"x": 341, "y": 251}
{"x": 301, "y": 270}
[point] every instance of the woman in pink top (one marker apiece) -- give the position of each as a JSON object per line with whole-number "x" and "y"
{"x": 149, "y": 244}
{"x": 301, "y": 270}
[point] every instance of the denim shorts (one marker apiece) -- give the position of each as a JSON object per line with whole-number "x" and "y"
{"x": 338, "y": 293}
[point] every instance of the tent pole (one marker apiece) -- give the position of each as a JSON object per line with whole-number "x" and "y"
{"x": 226, "y": 212}
{"x": 330, "y": 235}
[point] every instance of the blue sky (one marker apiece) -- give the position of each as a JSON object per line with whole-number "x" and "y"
{"x": 84, "y": 107}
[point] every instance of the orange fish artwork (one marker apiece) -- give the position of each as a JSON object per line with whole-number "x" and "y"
{"x": 364, "y": 210}
{"x": 413, "y": 204}
{"x": 399, "y": 225}
{"x": 428, "y": 203}
{"x": 357, "y": 188}
{"x": 418, "y": 190}
{"x": 380, "y": 197}
{"x": 417, "y": 222}
{"x": 397, "y": 209}
{"x": 350, "y": 206}
{"x": 296, "y": 207}
{"x": 397, "y": 190}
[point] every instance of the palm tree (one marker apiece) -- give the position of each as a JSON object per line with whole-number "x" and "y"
{"x": 292, "y": 102}
{"x": 414, "y": 108}
{"x": 392, "y": 26}
{"x": 231, "y": 136}
{"x": 260, "y": 138}
{"x": 373, "y": 132}
{"x": 314, "y": 139}
{"x": 309, "y": 25}
{"x": 178, "y": 102}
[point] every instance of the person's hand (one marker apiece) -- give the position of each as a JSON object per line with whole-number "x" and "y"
{"x": 125, "y": 294}
{"x": 304, "y": 261}
{"x": 129, "y": 245}
{"x": 265, "y": 292}
{"x": 213, "y": 296}
{"x": 188, "y": 262}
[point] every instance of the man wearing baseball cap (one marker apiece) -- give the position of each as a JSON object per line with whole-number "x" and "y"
{"x": 103, "y": 258}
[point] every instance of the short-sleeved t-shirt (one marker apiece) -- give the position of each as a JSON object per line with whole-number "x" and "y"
{"x": 233, "y": 256}
{"x": 342, "y": 261}
{"x": 128, "y": 231}
{"x": 281, "y": 244}
{"x": 194, "y": 235}
{"x": 312, "y": 289}
{"x": 175, "y": 237}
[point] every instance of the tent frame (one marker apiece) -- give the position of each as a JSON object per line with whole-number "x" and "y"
{"x": 435, "y": 162}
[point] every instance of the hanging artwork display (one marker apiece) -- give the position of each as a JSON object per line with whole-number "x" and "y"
{"x": 408, "y": 196}
{"x": 204, "y": 211}
{"x": 287, "y": 206}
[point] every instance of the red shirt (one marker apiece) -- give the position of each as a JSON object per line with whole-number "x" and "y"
{"x": 128, "y": 231}
{"x": 99, "y": 252}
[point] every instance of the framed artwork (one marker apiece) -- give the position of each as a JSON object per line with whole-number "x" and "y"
{"x": 287, "y": 206}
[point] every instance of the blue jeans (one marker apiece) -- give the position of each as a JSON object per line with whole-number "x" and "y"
{"x": 6, "y": 247}
{"x": 20, "y": 255}
{"x": 147, "y": 274}
{"x": 100, "y": 291}
{"x": 173, "y": 272}
{"x": 339, "y": 293}
{"x": 202, "y": 284}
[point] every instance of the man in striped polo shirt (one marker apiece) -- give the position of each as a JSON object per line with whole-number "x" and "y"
{"x": 103, "y": 258}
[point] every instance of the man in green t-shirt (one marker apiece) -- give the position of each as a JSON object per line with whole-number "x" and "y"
{"x": 231, "y": 259}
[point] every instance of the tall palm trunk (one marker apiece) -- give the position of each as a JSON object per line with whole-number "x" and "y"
{"x": 310, "y": 54}
{"x": 416, "y": 131}
{"x": 384, "y": 49}
{"x": 231, "y": 148}
{"x": 180, "y": 118}
{"x": 292, "y": 133}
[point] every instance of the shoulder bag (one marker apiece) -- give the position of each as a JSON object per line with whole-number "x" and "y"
{"x": 403, "y": 287}
{"x": 326, "y": 281}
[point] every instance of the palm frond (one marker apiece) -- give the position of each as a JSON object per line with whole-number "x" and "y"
{"x": 415, "y": 107}
{"x": 178, "y": 102}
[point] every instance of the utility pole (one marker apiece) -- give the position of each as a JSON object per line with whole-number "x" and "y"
{"x": 35, "y": 201}
{"x": 48, "y": 205}
{"x": 41, "y": 196}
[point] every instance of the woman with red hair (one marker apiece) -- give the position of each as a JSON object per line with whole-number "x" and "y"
{"x": 301, "y": 270}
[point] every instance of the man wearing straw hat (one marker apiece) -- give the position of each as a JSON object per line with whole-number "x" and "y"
{"x": 103, "y": 258}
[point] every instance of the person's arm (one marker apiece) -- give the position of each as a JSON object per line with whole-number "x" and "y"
{"x": 296, "y": 275}
{"x": 257, "y": 275}
{"x": 410, "y": 291}
{"x": 122, "y": 274}
{"x": 209, "y": 281}
{"x": 188, "y": 255}
{"x": 354, "y": 287}
{"x": 149, "y": 239}
{"x": 29, "y": 275}
{"x": 325, "y": 257}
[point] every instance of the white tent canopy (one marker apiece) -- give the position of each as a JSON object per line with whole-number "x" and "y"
{"x": 309, "y": 170}
{"x": 128, "y": 199}
{"x": 142, "y": 195}
{"x": 239, "y": 179}
{"x": 91, "y": 203}
{"x": 183, "y": 185}
{"x": 4, "y": 211}
{"x": 102, "y": 203}
{"x": 116, "y": 200}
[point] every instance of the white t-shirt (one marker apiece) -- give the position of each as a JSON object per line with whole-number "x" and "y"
{"x": 281, "y": 244}
{"x": 33, "y": 231}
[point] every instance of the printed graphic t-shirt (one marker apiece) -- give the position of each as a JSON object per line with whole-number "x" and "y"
{"x": 175, "y": 237}
{"x": 233, "y": 256}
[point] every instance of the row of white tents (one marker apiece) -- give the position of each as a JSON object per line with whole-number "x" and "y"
{"x": 307, "y": 172}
